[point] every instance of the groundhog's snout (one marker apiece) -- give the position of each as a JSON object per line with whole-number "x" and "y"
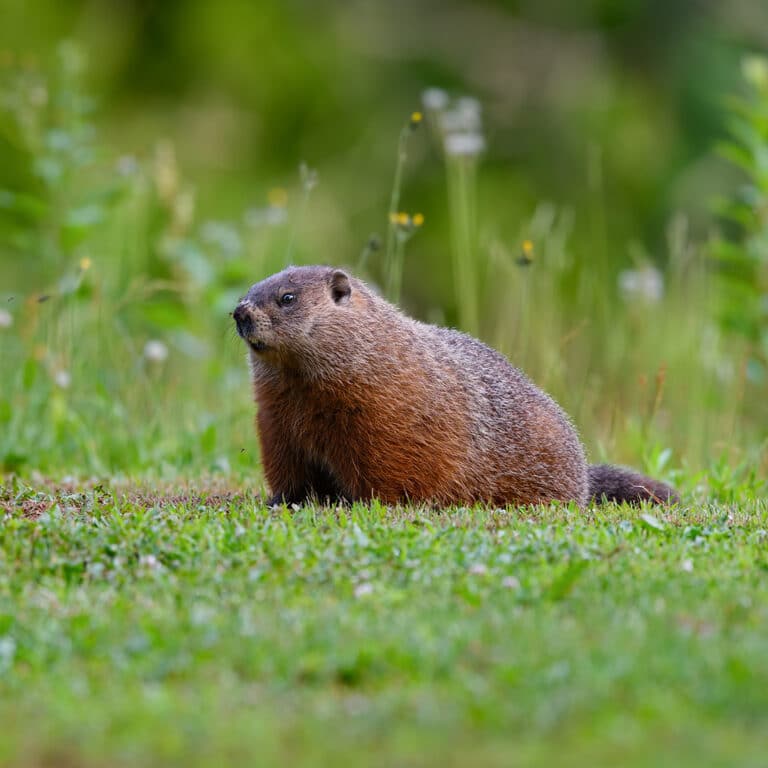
{"x": 244, "y": 321}
{"x": 252, "y": 325}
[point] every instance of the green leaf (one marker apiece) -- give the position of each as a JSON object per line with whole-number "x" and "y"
{"x": 565, "y": 582}
{"x": 24, "y": 204}
{"x": 651, "y": 522}
{"x": 13, "y": 462}
{"x": 29, "y": 374}
{"x": 208, "y": 439}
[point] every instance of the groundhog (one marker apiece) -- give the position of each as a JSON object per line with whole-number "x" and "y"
{"x": 356, "y": 401}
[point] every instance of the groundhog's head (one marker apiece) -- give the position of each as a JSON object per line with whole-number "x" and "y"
{"x": 285, "y": 317}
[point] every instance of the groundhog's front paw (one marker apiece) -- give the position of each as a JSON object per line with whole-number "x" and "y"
{"x": 278, "y": 499}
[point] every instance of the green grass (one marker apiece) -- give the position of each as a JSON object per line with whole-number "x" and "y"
{"x": 180, "y": 628}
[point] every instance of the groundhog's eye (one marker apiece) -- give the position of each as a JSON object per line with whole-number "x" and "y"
{"x": 286, "y": 299}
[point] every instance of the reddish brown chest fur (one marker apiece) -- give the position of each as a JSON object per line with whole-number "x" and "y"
{"x": 363, "y": 440}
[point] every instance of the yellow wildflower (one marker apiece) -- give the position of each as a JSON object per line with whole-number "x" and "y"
{"x": 278, "y": 197}
{"x": 525, "y": 259}
{"x": 418, "y": 219}
{"x": 85, "y": 264}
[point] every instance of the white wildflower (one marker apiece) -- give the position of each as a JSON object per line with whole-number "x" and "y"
{"x": 687, "y": 566}
{"x": 62, "y": 379}
{"x": 155, "y": 351}
{"x": 435, "y": 99}
{"x": 470, "y": 111}
{"x": 645, "y": 284}
{"x": 221, "y": 464}
{"x": 462, "y": 119}
{"x": 361, "y": 590}
{"x": 149, "y": 561}
{"x": 7, "y": 651}
{"x": 6, "y": 318}
{"x": 510, "y": 582}
{"x": 464, "y": 144}
{"x": 478, "y": 569}
{"x": 308, "y": 177}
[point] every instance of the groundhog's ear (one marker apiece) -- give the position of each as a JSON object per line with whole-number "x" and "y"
{"x": 341, "y": 288}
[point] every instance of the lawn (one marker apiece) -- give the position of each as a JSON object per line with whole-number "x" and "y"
{"x": 141, "y": 627}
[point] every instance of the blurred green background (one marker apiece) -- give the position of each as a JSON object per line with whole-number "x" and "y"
{"x": 150, "y": 157}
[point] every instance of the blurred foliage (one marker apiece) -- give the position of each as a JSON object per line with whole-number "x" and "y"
{"x": 247, "y": 90}
{"x": 743, "y": 257}
{"x": 158, "y": 158}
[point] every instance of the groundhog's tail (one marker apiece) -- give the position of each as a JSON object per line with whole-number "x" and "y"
{"x": 608, "y": 483}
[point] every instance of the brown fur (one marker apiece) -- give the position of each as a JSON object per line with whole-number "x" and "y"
{"x": 356, "y": 401}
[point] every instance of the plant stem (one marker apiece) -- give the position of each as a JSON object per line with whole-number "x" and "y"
{"x": 461, "y": 191}
{"x": 394, "y": 252}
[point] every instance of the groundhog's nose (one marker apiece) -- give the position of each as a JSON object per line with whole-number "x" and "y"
{"x": 244, "y": 320}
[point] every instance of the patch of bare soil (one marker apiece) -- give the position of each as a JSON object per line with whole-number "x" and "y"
{"x": 31, "y": 501}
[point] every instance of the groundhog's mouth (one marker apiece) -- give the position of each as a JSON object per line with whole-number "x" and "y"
{"x": 257, "y": 346}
